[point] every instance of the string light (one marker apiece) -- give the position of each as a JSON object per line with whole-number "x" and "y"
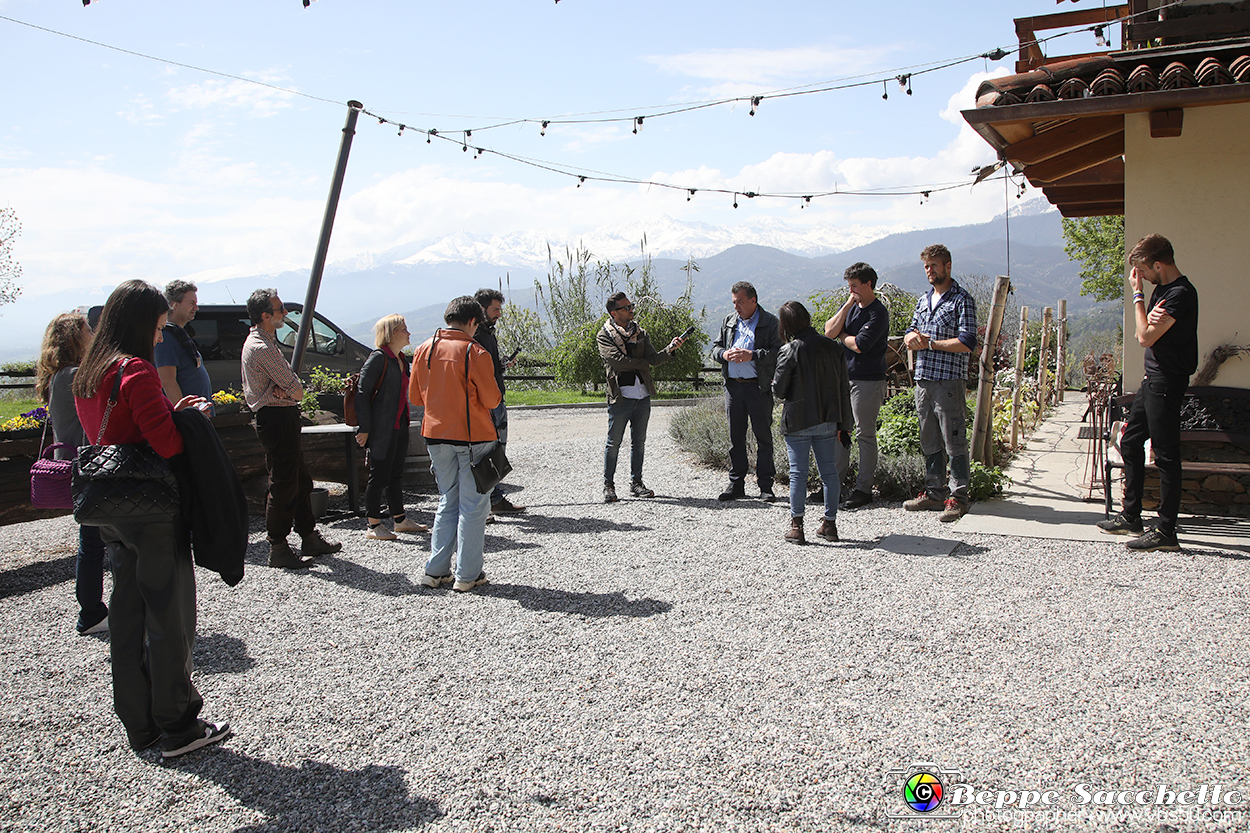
{"x": 885, "y": 91}
{"x": 637, "y": 124}
{"x": 904, "y": 82}
{"x": 691, "y": 194}
{"x": 755, "y": 102}
{"x": 543, "y": 132}
{"x": 735, "y": 199}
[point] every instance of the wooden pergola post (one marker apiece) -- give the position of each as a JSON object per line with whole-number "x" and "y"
{"x": 1061, "y": 352}
{"x": 1016, "y": 396}
{"x": 983, "y": 421}
{"x": 1043, "y": 360}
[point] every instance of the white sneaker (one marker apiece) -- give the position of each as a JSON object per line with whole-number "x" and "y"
{"x": 436, "y": 581}
{"x": 210, "y": 733}
{"x": 380, "y": 533}
{"x": 465, "y": 586}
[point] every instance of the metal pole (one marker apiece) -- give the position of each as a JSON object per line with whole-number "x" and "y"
{"x": 323, "y": 244}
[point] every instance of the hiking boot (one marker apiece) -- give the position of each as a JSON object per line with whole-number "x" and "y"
{"x": 953, "y": 511}
{"x": 856, "y": 499}
{"x": 1154, "y": 541}
{"x": 767, "y": 494}
{"x": 314, "y": 544}
{"x": 436, "y": 581}
{"x": 735, "y": 491}
{"x": 465, "y": 586}
{"x": 817, "y": 496}
{"x": 209, "y": 733}
{"x": 637, "y": 489}
{"x": 505, "y": 507}
{"x": 795, "y": 535}
{"x": 409, "y": 525}
{"x": 281, "y": 555}
{"x": 378, "y": 532}
{"x": 609, "y": 493}
{"x": 828, "y": 530}
{"x": 1121, "y": 525}
{"x": 923, "y": 503}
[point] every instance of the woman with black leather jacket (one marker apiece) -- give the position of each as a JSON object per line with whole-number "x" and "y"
{"x": 811, "y": 379}
{"x": 383, "y": 415}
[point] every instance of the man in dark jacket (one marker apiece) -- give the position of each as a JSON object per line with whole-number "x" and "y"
{"x": 628, "y": 358}
{"x": 747, "y": 350}
{"x": 491, "y": 301}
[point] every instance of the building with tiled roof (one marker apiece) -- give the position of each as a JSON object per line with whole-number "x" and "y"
{"x": 1158, "y": 131}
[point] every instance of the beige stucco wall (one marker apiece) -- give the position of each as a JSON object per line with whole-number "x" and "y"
{"x": 1195, "y": 190}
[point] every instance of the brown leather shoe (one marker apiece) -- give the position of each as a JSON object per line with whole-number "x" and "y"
{"x": 314, "y": 544}
{"x": 923, "y": 503}
{"x": 828, "y": 530}
{"x": 795, "y": 535}
{"x": 281, "y": 555}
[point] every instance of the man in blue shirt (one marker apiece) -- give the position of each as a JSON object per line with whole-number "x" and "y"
{"x": 863, "y": 326}
{"x": 178, "y": 360}
{"x": 747, "y": 350}
{"x": 942, "y": 333}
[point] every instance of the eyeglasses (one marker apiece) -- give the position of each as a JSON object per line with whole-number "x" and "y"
{"x": 281, "y": 308}
{"x": 629, "y": 308}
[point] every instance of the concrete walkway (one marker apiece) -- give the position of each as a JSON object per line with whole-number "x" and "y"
{"x": 1046, "y": 498}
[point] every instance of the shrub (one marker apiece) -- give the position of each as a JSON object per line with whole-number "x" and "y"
{"x": 986, "y": 481}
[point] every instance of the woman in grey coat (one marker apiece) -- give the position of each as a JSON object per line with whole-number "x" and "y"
{"x": 64, "y": 344}
{"x": 382, "y": 414}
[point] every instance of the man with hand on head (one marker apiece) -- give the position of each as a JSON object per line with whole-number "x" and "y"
{"x": 1168, "y": 328}
{"x": 862, "y": 326}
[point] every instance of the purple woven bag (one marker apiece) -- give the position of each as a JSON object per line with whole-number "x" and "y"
{"x": 50, "y": 479}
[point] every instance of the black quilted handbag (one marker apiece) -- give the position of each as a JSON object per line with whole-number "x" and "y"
{"x": 127, "y": 483}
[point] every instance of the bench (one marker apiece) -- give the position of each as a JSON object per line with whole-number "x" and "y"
{"x": 1215, "y": 441}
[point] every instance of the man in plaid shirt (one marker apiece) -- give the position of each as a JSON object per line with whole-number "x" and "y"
{"x": 943, "y": 332}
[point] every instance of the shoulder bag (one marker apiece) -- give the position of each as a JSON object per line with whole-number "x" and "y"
{"x": 50, "y": 478}
{"x": 126, "y": 483}
{"x": 494, "y": 467}
{"x": 352, "y": 387}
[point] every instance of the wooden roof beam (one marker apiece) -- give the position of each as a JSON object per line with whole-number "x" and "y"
{"x": 1086, "y": 156}
{"x": 1062, "y": 139}
{"x": 1093, "y": 209}
{"x": 1110, "y": 172}
{"x": 1078, "y": 194}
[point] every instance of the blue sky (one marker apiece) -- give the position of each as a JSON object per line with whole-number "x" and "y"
{"x": 121, "y": 167}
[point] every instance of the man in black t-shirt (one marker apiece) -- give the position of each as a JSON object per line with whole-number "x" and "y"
{"x": 1168, "y": 329}
{"x": 862, "y": 325}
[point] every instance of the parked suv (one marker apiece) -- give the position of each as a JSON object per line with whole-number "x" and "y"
{"x": 219, "y": 332}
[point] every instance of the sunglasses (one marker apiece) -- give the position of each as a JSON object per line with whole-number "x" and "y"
{"x": 629, "y": 308}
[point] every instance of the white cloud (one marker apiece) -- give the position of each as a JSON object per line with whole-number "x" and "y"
{"x": 232, "y": 94}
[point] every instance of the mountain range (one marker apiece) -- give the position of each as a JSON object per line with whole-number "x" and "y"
{"x": 784, "y": 262}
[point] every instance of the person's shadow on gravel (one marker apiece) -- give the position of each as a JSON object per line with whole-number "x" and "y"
{"x": 314, "y": 795}
{"x": 591, "y": 605}
{"x": 555, "y": 523}
{"x": 347, "y": 573}
{"x": 31, "y": 578}
{"x": 221, "y": 653}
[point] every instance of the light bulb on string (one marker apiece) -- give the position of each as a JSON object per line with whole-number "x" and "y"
{"x": 755, "y": 102}
{"x": 401, "y": 130}
{"x": 924, "y": 197}
{"x": 543, "y": 131}
{"x": 430, "y": 134}
{"x": 806, "y": 202}
{"x": 904, "y": 82}
{"x": 580, "y": 180}
{"x": 637, "y": 124}
{"x": 735, "y": 199}
{"x": 691, "y": 194}
{"x": 885, "y": 91}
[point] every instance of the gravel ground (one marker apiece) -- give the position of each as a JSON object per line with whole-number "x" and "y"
{"x": 667, "y": 664}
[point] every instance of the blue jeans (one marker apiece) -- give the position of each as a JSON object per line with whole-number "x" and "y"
{"x": 460, "y": 522}
{"x": 89, "y": 577}
{"x": 944, "y": 435}
{"x": 821, "y": 440}
{"x": 637, "y": 412}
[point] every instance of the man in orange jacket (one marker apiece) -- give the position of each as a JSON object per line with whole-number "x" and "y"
{"x": 453, "y": 378}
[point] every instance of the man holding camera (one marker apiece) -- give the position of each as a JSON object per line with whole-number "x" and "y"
{"x": 628, "y": 357}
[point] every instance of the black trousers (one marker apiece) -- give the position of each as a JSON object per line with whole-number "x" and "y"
{"x": 744, "y": 400}
{"x": 387, "y": 474}
{"x": 1156, "y": 414}
{"x": 151, "y": 630}
{"x": 290, "y": 484}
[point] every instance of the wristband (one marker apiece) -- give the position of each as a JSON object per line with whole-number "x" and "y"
{"x": 1138, "y": 298}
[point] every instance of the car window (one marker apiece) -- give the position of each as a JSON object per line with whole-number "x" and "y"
{"x": 219, "y": 336}
{"x": 322, "y": 339}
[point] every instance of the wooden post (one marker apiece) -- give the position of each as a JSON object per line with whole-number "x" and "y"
{"x": 1015, "y": 397}
{"x": 1061, "y": 352}
{"x": 1043, "y": 360}
{"x": 983, "y": 422}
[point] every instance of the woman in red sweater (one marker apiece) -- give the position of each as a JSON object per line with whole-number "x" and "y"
{"x": 152, "y": 609}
